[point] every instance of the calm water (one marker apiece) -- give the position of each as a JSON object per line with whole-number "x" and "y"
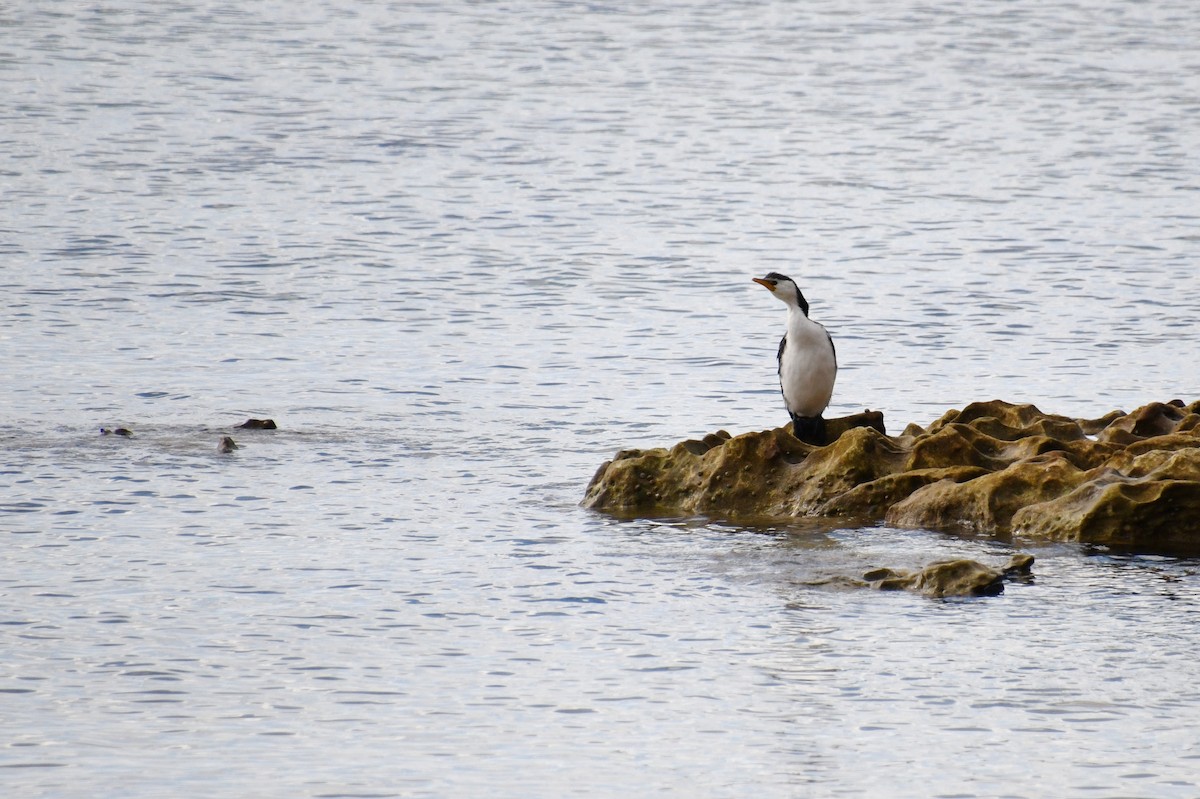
{"x": 464, "y": 252}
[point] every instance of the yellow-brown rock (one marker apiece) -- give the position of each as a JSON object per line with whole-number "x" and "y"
{"x": 1153, "y": 505}
{"x": 763, "y": 473}
{"x": 987, "y": 503}
{"x": 1126, "y": 480}
{"x": 951, "y": 578}
{"x": 874, "y": 498}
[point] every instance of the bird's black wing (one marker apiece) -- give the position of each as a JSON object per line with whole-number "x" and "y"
{"x": 830, "y": 347}
{"x": 779, "y": 355}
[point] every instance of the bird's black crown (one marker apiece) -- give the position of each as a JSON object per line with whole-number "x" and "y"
{"x": 777, "y": 278}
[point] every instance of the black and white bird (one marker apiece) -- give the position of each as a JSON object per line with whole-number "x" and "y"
{"x": 807, "y": 362}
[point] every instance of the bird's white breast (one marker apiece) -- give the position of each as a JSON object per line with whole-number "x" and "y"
{"x": 808, "y": 368}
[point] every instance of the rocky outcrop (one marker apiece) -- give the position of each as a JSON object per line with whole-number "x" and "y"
{"x": 1125, "y": 480}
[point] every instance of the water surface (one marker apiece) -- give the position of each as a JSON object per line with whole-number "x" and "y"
{"x": 463, "y": 253}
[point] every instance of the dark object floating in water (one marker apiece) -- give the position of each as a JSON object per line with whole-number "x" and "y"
{"x": 116, "y": 431}
{"x": 226, "y": 444}
{"x": 258, "y": 424}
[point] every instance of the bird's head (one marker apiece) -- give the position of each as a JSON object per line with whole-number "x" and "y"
{"x": 785, "y": 289}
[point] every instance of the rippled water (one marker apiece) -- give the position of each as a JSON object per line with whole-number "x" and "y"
{"x": 462, "y": 253}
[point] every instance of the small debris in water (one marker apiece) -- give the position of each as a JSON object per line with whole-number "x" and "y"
{"x": 118, "y": 431}
{"x": 258, "y": 424}
{"x": 227, "y": 444}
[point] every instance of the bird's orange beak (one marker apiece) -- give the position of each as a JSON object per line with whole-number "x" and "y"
{"x": 762, "y": 281}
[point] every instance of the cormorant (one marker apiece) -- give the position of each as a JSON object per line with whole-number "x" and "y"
{"x": 807, "y": 362}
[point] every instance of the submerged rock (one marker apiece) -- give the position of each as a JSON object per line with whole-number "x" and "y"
{"x": 951, "y": 578}
{"x": 1126, "y": 480}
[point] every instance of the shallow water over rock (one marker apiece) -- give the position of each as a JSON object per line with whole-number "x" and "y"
{"x": 461, "y": 254}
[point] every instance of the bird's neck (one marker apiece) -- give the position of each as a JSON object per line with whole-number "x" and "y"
{"x": 797, "y": 315}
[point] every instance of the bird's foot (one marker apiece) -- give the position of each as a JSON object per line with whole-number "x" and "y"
{"x": 809, "y": 429}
